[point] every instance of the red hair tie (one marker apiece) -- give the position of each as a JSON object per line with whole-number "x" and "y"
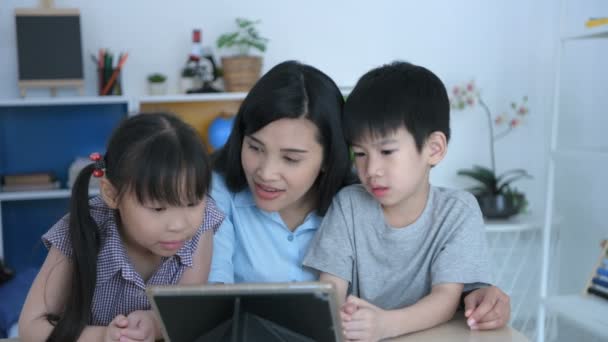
{"x": 99, "y": 164}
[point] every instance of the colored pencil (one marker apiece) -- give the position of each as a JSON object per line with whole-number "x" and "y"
{"x": 121, "y": 62}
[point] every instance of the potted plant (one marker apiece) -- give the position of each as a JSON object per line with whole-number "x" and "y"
{"x": 496, "y": 197}
{"x": 242, "y": 70}
{"x": 495, "y": 193}
{"x": 157, "y": 84}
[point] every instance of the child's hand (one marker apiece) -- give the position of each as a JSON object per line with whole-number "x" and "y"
{"x": 347, "y": 310}
{"x": 138, "y": 326}
{"x": 141, "y": 327}
{"x": 113, "y": 331}
{"x": 366, "y": 322}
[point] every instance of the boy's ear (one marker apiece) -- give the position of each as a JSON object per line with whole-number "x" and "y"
{"x": 436, "y": 147}
{"x": 108, "y": 193}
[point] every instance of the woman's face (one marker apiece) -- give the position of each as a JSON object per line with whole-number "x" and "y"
{"x": 281, "y": 163}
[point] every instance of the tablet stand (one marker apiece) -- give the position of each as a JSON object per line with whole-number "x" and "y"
{"x": 248, "y": 327}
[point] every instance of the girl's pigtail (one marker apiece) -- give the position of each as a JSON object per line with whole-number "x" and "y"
{"x": 84, "y": 235}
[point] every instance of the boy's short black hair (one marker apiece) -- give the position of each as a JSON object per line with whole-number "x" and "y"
{"x": 397, "y": 95}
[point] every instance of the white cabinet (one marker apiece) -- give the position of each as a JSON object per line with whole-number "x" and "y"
{"x": 577, "y": 191}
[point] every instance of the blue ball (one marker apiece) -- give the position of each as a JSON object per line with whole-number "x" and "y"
{"x": 219, "y": 131}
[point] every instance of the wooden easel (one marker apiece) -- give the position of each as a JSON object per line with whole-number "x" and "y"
{"x": 46, "y": 9}
{"x": 52, "y": 85}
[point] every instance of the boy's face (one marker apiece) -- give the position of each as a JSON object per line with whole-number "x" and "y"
{"x": 392, "y": 169}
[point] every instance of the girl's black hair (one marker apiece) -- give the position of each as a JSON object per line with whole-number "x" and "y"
{"x": 292, "y": 90}
{"x": 158, "y": 158}
{"x": 397, "y": 95}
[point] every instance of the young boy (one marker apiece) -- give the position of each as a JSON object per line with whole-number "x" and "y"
{"x": 401, "y": 247}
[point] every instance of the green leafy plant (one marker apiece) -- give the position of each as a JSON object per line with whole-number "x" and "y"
{"x": 157, "y": 78}
{"x": 490, "y": 184}
{"x": 490, "y": 187}
{"x": 188, "y": 72}
{"x": 245, "y": 38}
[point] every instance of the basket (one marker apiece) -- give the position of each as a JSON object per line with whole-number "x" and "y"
{"x": 241, "y": 72}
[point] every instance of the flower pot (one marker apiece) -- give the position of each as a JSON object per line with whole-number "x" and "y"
{"x": 241, "y": 72}
{"x": 500, "y": 206}
{"x": 157, "y": 88}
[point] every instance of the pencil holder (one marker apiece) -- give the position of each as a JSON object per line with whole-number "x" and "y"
{"x": 109, "y": 81}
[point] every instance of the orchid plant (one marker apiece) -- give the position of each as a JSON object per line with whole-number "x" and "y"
{"x": 468, "y": 96}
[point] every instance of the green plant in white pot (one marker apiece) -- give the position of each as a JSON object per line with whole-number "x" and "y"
{"x": 242, "y": 70}
{"x": 157, "y": 84}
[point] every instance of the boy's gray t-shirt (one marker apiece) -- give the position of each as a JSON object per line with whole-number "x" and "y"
{"x": 395, "y": 267}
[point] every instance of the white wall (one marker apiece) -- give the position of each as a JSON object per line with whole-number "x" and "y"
{"x": 506, "y": 46}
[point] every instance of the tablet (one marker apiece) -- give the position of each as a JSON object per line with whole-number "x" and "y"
{"x": 295, "y": 312}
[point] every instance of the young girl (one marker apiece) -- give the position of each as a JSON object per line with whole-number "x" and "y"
{"x": 152, "y": 224}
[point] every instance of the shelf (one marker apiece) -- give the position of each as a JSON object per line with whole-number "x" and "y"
{"x": 588, "y": 311}
{"x": 171, "y": 98}
{"x": 580, "y": 152}
{"x": 39, "y": 195}
{"x": 517, "y": 223}
{"x": 208, "y": 97}
{"x": 599, "y": 32}
{"x": 62, "y": 101}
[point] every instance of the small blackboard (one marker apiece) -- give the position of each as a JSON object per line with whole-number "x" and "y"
{"x": 49, "y": 48}
{"x": 270, "y": 312}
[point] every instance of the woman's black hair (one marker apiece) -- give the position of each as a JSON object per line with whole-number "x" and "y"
{"x": 158, "y": 158}
{"x": 292, "y": 90}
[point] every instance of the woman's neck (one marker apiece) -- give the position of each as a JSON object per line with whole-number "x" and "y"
{"x": 295, "y": 214}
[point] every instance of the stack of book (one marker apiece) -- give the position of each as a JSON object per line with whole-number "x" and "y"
{"x": 598, "y": 285}
{"x": 29, "y": 182}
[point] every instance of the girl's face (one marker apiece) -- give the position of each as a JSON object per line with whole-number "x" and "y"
{"x": 158, "y": 229}
{"x": 281, "y": 162}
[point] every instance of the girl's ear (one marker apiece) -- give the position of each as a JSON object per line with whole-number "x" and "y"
{"x": 436, "y": 147}
{"x": 108, "y": 193}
